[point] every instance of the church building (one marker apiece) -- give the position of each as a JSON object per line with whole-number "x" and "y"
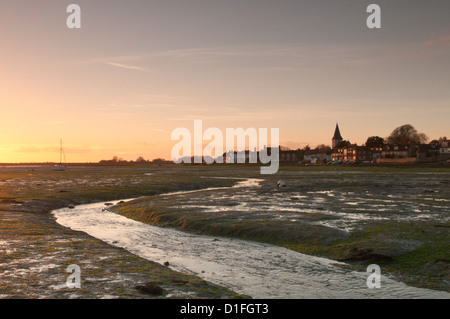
{"x": 337, "y": 138}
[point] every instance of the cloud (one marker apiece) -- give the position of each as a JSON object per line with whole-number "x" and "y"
{"x": 442, "y": 39}
{"x": 286, "y": 56}
{"x": 437, "y": 44}
{"x": 124, "y": 66}
{"x": 120, "y": 61}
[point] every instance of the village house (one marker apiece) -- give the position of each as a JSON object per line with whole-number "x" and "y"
{"x": 240, "y": 157}
{"x": 337, "y": 155}
{"x": 376, "y": 153}
{"x": 400, "y": 151}
{"x": 444, "y": 150}
{"x": 286, "y": 156}
{"x": 433, "y": 152}
{"x": 427, "y": 152}
{"x": 356, "y": 153}
{"x": 290, "y": 156}
{"x": 317, "y": 156}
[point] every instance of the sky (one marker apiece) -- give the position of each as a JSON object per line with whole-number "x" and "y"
{"x": 138, "y": 69}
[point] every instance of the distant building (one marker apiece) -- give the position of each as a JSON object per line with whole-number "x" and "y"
{"x": 290, "y": 156}
{"x": 241, "y": 157}
{"x": 428, "y": 152}
{"x": 399, "y": 151}
{"x": 444, "y": 150}
{"x": 356, "y": 153}
{"x": 413, "y": 153}
{"x": 286, "y": 156}
{"x": 337, "y": 138}
{"x": 376, "y": 153}
{"x": 317, "y": 156}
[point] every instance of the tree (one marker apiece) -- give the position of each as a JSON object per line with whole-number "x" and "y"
{"x": 322, "y": 147}
{"x": 159, "y": 161}
{"x": 140, "y": 159}
{"x": 375, "y": 141}
{"x": 406, "y": 134}
{"x": 343, "y": 144}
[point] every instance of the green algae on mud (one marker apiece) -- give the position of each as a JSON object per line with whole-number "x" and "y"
{"x": 410, "y": 246}
{"x": 41, "y": 190}
{"x": 424, "y": 265}
{"x": 35, "y": 251}
{"x": 35, "y": 254}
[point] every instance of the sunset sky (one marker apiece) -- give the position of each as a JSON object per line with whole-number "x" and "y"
{"x": 138, "y": 69}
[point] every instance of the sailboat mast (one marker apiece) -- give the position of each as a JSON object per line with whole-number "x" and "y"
{"x": 60, "y": 152}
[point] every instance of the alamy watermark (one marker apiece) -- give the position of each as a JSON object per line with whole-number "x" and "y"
{"x": 374, "y": 19}
{"x": 74, "y": 279}
{"x": 374, "y": 279}
{"x": 372, "y": 22}
{"x": 220, "y": 150}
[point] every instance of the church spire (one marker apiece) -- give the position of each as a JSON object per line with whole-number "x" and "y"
{"x": 337, "y": 138}
{"x": 337, "y": 134}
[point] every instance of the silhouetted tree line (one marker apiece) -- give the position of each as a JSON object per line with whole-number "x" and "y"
{"x": 140, "y": 160}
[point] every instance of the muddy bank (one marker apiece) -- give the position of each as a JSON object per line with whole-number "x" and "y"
{"x": 397, "y": 220}
{"x": 35, "y": 254}
{"x": 35, "y": 251}
{"x": 247, "y": 267}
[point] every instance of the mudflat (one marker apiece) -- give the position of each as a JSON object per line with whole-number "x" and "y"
{"x": 395, "y": 217}
{"x": 35, "y": 251}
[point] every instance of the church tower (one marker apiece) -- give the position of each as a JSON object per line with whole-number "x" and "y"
{"x": 337, "y": 138}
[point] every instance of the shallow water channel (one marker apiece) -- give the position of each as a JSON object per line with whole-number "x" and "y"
{"x": 255, "y": 269}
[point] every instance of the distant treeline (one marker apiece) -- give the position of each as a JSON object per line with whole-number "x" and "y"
{"x": 140, "y": 160}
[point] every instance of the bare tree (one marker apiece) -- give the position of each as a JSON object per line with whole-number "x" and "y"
{"x": 406, "y": 134}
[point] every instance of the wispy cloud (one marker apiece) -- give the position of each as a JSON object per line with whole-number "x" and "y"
{"x": 441, "y": 39}
{"x": 436, "y": 45}
{"x": 260, "y": 115}
{"x": 287, "y": 56}
{"x": 128, "y": 62}
{"x": 276, "y": 57}
{"x": 125, "y": 66}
